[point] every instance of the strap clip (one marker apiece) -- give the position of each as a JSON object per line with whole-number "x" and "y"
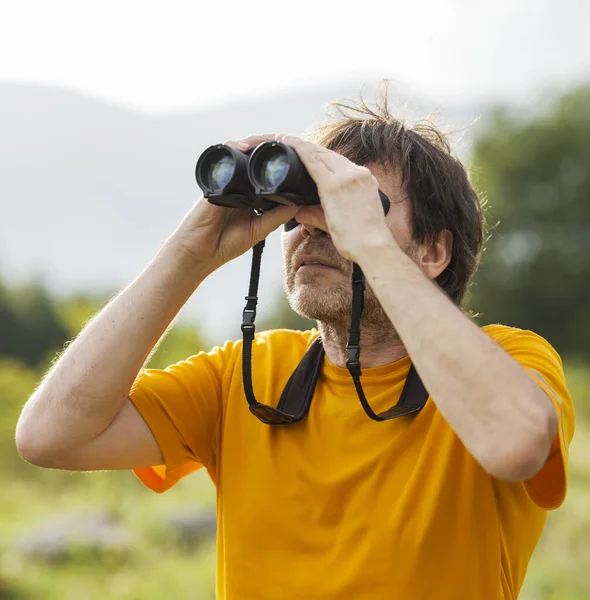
{"x": 353, "y": 357}
{"x": 248, "y": 317}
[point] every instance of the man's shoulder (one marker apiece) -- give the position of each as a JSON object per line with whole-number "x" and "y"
{"x": 507, "y": 336}
{"x": 498, "y": 331}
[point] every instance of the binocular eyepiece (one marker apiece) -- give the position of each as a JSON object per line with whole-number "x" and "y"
{"x": 261, "y": 178}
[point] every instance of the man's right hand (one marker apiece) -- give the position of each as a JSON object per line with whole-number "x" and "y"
{"x": 214, "y": 235}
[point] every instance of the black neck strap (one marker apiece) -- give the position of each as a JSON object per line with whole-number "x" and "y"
{"x": 298, "y": 393}
{"x": 248, "y": 325}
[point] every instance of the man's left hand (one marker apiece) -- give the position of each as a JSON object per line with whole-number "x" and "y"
{"x": 351, "y": 210}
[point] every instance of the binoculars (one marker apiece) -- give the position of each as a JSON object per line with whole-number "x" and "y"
{"x": 261, "y": 178}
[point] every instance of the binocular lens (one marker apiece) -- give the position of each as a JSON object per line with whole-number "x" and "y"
{"x": 274, "y": 168}
{"x": 220, "y": 171}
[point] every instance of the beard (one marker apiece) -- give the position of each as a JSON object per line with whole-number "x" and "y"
{"x": 326, "y": 297}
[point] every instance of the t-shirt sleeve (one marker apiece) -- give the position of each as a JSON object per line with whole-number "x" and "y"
{"x": 182, "y": 406}
{"x": 548, "y": 487}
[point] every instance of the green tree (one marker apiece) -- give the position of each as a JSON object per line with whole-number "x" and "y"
{"x": 29, "y": 324}
{"x": 535, "y": 173}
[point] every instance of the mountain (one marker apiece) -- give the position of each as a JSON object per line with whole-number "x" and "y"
{"x": 90, "y": 190}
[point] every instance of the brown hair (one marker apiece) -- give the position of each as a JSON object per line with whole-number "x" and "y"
{"x": 434, "y": 180}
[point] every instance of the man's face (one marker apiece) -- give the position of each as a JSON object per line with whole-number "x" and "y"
{"x": 324, "y": 293}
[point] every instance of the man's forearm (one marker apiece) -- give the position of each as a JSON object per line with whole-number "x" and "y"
{"x": 87, "y": 387}
{"x": 503, "y": 418}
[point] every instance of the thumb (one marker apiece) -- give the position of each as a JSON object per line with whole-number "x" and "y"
{"x": 274, "y": 218}
{"x": 312, "y": 217}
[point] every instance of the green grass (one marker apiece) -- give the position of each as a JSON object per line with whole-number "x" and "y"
{"x": 559, "y": 567}
{"x": 155, "y": 567}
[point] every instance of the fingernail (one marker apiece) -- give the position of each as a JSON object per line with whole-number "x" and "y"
{"x": 242, "y": 145}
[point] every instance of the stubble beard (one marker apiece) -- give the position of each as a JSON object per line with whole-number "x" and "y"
{"x": 331, "y": 305}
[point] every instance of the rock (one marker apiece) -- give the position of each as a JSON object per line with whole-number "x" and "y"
{"x": 192, "y": 527}
{"x": 63, "y": 538}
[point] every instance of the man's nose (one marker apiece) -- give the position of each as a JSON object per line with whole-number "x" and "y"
{"x": 310, "y": 230}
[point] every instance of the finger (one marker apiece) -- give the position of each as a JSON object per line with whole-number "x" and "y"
{"x": 312, "y": 216}
{"x": 251, "y": 141}
{"x": 319, "y": 161}
{"x": 273, "y": 219}
{"x": 233, "y": 144}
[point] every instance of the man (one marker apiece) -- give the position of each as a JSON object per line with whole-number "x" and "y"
{"x": 447, "y": 503}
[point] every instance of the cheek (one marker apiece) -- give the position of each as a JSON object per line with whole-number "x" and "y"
{"x": 399, "y": 224}
{"x": 401, "y": 235}
{"x": 288, "y": 244}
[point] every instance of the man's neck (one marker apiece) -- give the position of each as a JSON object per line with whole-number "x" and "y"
{"x": 378, "y": 347}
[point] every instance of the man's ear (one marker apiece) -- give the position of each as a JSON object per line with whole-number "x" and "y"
{"x": 436, "y": 256}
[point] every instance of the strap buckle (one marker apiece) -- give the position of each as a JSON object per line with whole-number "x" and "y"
{"x": 353, "y": 357}
{"x": 248, "y": 317}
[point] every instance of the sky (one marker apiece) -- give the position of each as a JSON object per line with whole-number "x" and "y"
{"x": 163, "y": 56}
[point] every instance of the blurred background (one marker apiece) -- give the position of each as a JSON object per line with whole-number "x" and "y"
{"x": 104, "y": 109}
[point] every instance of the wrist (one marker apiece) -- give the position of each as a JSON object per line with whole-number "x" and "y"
{"x": 184, "y": 262}
{"x": 383, "y": 260}
{"x": 379, "y": 247}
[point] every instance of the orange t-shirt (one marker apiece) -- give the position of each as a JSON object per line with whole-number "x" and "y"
{"x": 340, "y": 506}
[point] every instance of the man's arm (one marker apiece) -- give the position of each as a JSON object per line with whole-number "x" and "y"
{"x": 80, "y": 417}
{"x": 500, "y": 414}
